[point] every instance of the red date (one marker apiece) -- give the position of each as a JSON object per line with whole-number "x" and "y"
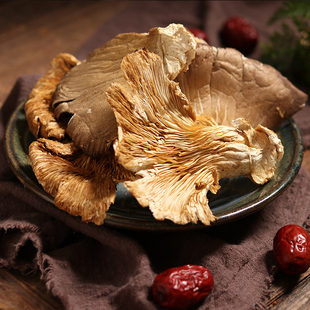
{"x": 182, "y": 287}
{"x": 291, "y": 247}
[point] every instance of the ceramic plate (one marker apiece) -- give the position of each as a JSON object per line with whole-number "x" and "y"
{"x": 238, "y": 197}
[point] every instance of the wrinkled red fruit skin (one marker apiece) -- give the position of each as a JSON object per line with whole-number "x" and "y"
{"x": 182, "y": 287}
{"x": 238, "y": 33}
{"x": 199, "y": 33}
{"x": 291, "y": 247}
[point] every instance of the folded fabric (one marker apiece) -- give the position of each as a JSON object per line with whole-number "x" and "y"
{"x": 91, "y": 267}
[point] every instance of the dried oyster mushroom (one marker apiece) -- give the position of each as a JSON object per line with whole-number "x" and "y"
{"x": 177, "y": 159}
{"x": 225, "y": 85}
{"x": 38, "y": 108}
{"x": 81, "y": 185}
{"x": 161, "y": 153}
{"x": 81, "y": 93}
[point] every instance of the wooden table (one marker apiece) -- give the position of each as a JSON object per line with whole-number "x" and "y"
{"x": 30, "y": 37}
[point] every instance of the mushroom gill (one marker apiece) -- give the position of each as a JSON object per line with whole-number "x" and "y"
{"x": 81, "y": 185}
{"x": 177, "y": 157}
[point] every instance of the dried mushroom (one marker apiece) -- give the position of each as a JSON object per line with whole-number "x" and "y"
{"x": 177, "y": 159}
{"x": 38, "y": 108}
{"x": 81, "y": 93}
{"x": 180, "y": 115}
{"x": 225, "y": 85}
{"x": 81, "y": 185}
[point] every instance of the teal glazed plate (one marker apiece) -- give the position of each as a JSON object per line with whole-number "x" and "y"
{"x": 237, "y": 198}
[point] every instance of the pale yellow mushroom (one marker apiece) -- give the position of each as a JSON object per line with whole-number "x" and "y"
{"x": 178, "y": 159}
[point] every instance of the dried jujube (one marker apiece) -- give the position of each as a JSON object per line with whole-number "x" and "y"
{"x": 182, "y": 287}
{"x": 291, "y": 247}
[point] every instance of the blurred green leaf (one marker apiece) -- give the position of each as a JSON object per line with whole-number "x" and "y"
{"x": 292, "y": 9}
{"x": 289, "y": 50}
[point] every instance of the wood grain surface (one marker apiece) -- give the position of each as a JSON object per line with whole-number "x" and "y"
{"x": 31, "y": 34}
{"x": 25, "y": 292}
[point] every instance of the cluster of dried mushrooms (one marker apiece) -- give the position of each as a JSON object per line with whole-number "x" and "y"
{"x": 163, "y": 112}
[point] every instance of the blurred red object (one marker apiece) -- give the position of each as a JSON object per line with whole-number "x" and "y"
{"x": 238, "y": 33}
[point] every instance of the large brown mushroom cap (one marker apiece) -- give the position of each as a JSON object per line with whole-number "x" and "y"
{"x": 177, "y": 159}
{"x": 225, "y": 85}
{"x": 81, "y": 93}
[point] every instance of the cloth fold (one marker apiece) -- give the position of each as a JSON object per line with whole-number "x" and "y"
{"x": 91, "y": 267}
